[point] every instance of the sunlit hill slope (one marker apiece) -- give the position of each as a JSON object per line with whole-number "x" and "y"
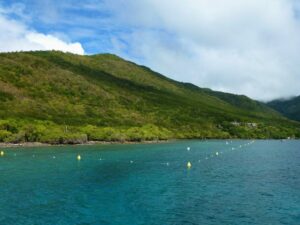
{"x": 55, "y": 97}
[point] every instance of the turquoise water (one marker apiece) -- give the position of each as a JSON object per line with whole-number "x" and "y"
{"x": 257, "y": 183}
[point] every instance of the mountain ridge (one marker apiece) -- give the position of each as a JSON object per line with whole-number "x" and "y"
{"x": 104, "y": 97}
{"x": 288, "y": 107}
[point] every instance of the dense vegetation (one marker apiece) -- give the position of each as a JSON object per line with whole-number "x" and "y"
{"x": 289, "y": 108}
{"x": 55, "y": 97}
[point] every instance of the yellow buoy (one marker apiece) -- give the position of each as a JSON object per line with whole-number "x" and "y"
{"x": 189, "y": 165}
{"x": 2, "y": 153}
{"x": 78, "y": 157}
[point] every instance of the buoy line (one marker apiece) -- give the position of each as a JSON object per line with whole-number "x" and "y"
{"x": 215, "y": 154}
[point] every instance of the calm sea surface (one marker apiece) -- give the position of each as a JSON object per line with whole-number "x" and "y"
{"x": 247, "y": 183}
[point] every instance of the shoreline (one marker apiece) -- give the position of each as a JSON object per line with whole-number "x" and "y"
{"x": 39, "y": 144}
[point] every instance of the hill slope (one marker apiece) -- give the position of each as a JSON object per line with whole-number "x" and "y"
{"x": 51, "y": 96}
{"x": 289, "y": 108}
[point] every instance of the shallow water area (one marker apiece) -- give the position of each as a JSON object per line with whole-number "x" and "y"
{"x": 228, "y": 182}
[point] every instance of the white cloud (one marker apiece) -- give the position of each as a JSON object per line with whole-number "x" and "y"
{"x": 51, "y": 42}
{"x": 248, "y": 47}
{"x": 16, "y": 36}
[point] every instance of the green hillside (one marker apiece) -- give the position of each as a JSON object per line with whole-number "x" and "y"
{"x": 56, "y": 97}
{"x": 289, "y": 108}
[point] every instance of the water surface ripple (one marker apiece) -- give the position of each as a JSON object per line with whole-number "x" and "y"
{"x": 244, "y": 183}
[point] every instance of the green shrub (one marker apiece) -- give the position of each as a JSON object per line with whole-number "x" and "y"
{"x": 15, "y": 138}
{"x": 4, "y": 134}
{"x": 64, "y": 138}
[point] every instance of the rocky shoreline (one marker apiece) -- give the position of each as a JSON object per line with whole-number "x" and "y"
{"x": 39, "y": 144}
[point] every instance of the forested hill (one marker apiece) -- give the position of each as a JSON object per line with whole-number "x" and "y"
{"x": 56, "y": 97}
{"x": 289, "y": 107}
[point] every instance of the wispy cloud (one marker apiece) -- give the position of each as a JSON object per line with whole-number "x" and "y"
{"x": 16, "y": 36}
{"x": 87, "y": 22}
{"x": 248, "y": 47}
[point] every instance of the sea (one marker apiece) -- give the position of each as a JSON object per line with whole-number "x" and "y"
{"x": 215, "y": 182}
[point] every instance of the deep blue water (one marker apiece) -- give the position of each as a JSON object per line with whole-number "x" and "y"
{"x": 150, "y": 184}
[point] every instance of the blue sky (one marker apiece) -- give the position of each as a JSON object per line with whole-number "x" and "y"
{"x": 246, "y": 47}
{"x": 84, "y": 22}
